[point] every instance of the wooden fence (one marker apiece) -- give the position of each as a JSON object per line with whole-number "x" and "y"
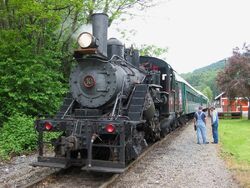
{"x": 230, "y": 115}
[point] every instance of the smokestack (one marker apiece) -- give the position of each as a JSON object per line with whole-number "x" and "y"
{"x": 100, "y": 31}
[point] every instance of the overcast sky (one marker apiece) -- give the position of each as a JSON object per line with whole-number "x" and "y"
{"x": 196, "y": 32}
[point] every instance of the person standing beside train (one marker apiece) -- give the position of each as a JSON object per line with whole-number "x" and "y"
{"x": 200, "y": 122}
{"x": 215, "y": 124}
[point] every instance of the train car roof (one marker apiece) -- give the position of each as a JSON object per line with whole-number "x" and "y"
{"x": 180, "y": 79}
{"x": 154, "y": 60}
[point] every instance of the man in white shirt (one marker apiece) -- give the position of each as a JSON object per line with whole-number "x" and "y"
{"x": 214, "y": 123}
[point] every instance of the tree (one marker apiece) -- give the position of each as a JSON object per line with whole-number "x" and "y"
{"x": 234, "y": 80}
{"x": 31, "y": 79}
{"x": 152, "y": 50}
{"x": 208, "y": 92}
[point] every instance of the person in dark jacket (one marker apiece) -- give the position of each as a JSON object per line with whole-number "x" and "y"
{"x": 201, "y": 130}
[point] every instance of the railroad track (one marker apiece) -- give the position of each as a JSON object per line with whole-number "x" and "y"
{"x": 75, "y": 177}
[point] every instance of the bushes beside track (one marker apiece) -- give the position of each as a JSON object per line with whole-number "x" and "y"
{"x": 17, "y": 136}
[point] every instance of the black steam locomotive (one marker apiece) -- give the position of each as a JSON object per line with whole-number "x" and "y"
{"x": 118, "y": 104}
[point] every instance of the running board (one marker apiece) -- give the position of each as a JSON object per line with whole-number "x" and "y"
{"x": 104, "y": 169}
{"x": 49, "y": 164}
{"x": 58, "y": 162}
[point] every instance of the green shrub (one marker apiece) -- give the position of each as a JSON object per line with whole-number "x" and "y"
{"x": 30, "y": 86}
{"x": 17, "y": 136}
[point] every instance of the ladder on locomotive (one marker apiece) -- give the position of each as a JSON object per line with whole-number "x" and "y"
{"x": 136, "y": 106}
{"x": 65, "y": 108}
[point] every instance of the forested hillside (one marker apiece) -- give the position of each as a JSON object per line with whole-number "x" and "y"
{"x": 203, "y": 79}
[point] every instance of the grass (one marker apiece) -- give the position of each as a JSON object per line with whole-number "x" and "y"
{"x": 234, "y": 137}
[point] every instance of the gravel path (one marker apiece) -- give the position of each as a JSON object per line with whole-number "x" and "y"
{"x": 180, "y": 162}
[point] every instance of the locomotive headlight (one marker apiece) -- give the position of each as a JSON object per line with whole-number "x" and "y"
{"x": 85, "y": 40}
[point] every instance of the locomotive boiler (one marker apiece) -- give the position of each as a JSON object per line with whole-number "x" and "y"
{"x": 118, "y": 103}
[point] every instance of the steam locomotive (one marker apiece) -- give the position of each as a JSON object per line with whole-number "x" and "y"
{"x": 119, "y": 103}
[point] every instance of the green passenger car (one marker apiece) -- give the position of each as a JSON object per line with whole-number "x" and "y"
{"x": 189, "y": 98}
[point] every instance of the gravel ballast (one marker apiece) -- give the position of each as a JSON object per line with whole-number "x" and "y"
{"x": 180, "y": 162}
{"x": 19, "y": 173}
